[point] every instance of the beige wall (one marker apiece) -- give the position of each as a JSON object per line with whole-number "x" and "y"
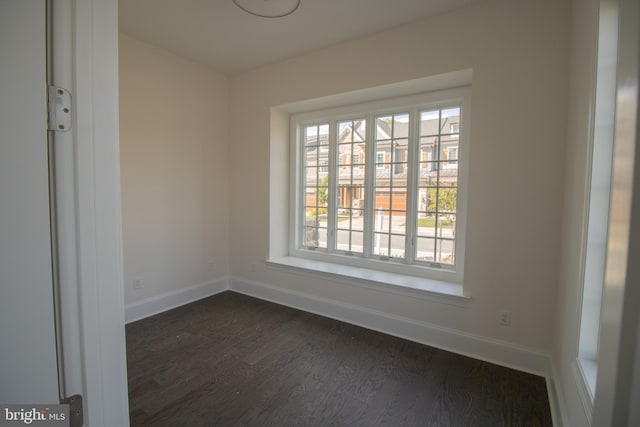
{"x": 174, "y": 142}
{"x": 519, "y": 55}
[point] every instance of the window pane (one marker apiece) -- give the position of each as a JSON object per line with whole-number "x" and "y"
{"x": 311, "y": 237}
{"x": 444, "y": 252}
{"x": 382, "y": 220}
{"x": 446, "y": 226}
{"x": 357, "y": 239}
{"x": 397, "y": 243}
{"x": 345, "y": 196}
{"x": 426, "y": 225}
{"x": 429, "y": 122}
{"x": 401, "y": 126}
{"x": 360, "y": 131}
{"x": 323, "y": 134}
{"x": 447, "y": 199}
{"x": 311, "y": 135}
{"x": 343, "y": 242}
{"x": 399, "y": 223}
{"x": 311, "y": 176}
{"x": 425, "y": 250}
{"x": 384, "y": 128}
{"x": 357, "y": 219}
{"x": 322, "y": 238}
{"x": 398, "y": 199}
{"x": 349, "y": 241}
{"x": 352, "y": 131}
{"x": 449, "y": 116}
{"x": 449, "y": 154}
{"x": 381, "y": 244}
{"x": 344, "y": 220}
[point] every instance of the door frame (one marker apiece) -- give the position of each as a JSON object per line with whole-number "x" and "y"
{"x": 88, "y": 210}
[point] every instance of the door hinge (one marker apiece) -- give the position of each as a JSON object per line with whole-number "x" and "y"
{"x": 76, "y": 418}
{"x": 59, "y": 100}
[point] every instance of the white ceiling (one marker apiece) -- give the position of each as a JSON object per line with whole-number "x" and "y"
{"x": 219, "y": 34}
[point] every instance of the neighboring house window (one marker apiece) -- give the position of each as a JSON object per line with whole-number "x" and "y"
{"x": 451, "y": 157}
{"x": 406, "y": 212}
{"x": 453, "y": 154}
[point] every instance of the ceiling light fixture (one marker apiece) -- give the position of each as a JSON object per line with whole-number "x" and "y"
{"x": 268, "y": 8}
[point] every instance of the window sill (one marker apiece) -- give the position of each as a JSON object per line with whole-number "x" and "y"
{"x": 436, "y": 290}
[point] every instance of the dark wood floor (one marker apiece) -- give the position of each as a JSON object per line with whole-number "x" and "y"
{"x": 234, "y": 360}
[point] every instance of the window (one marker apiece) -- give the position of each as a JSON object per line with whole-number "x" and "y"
{"x": 381, "y": 185}
{"x": 597, "y": 220}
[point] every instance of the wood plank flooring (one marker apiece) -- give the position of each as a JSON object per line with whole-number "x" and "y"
{"x": 233, "y": 360}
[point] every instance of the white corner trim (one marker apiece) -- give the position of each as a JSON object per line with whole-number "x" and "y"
{"x": 557, "y": 401}
{"x": 584, "y": 391}
{"x": 482, "y": 348}
{"x": 157, "y": 304}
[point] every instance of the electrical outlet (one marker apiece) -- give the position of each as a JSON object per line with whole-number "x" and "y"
{"x": 137, "y": 283}
{"x": 210, "y": 266}
{"x": 505, "y": 318}
{"x": 253, "y": 267}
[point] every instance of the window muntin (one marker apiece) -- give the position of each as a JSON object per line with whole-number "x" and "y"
{"x": 406, "y": 213}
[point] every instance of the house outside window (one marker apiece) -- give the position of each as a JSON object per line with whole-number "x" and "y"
{"x": 405, "y": 214}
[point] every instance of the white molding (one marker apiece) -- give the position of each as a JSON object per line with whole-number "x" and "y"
{"x": 98, "y": 213}
{"x": 557, "y": 402}
{"x": 490, "y": 350}
{"x": 448, "y": 80}
{"x": 584, "y": 392}
{"x": 380, "y": 281}
{"x": 157, "y": 304}
{"x": 556, "y": 419}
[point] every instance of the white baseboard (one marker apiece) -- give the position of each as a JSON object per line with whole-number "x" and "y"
{"x": 556, "y": 399}
{"x": 148, "y": 307}
{"x": 490, "y": 350}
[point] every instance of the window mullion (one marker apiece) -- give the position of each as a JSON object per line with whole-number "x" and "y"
{"x": 333, "y": 186}
{"x": 413, "y": 173}
{"x": 369, "y": 180}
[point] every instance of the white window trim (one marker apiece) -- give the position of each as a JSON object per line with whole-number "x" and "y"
{"x": 433, "y": 277}
{"x": 596, "y": 226}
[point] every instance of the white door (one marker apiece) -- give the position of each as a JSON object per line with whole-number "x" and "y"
{"x": 28, "y": 363}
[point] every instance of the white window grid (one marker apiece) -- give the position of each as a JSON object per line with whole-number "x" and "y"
{"x": 409, "y": 264}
